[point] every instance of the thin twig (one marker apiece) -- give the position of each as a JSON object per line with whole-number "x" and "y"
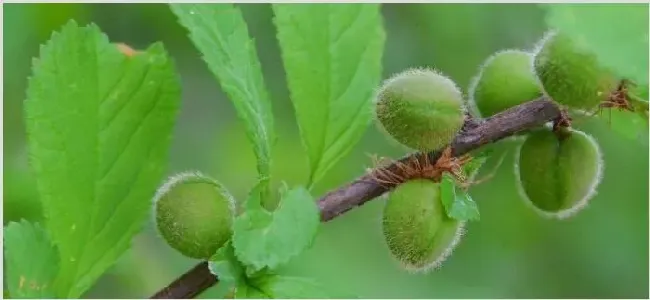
{"x": 520, "y": 118}
{"x": 189, "y": 285}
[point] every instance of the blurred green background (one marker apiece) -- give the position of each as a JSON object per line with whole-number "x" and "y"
{"x": 511, "y": 252}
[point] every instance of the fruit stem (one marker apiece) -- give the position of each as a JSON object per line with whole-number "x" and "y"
{"x": 563, "y": 121}
{"x": 562, "y": 132}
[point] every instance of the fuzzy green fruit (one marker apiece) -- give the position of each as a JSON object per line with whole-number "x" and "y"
{"x": 418, "y": 232}
{"x": 421, "y": 109}
{"x": 505, "y": 80}
{"x": 194, "y": 214}
{"x": 571, "y": 75}
{"x": 558, "y": 176}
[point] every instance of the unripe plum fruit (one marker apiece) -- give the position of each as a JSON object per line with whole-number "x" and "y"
{"x": 417, "y": 230}
{"x": 505, "y": 80}
{"x": 558, "y": 176}
{"x": 421, "y": 109}
{"x": 571, "y": 75}
{"x": 194, "y": 214}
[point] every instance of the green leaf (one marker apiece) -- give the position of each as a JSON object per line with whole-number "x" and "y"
{"x": 31, "y": 261}
{"x": 226, "y": 267}
{"x": 254, "y": 200}
{"x": 230, "y": 271}
{"x": 99, "y": 125}
{"x": 269, "y": 239}
{"x": 457, "y": 202}
{"x": 233, "y": 274}
{"x": 245, "y": 291}
{"x": 616, "y": 33}
{"x": 332, "y": 56}
{"x": 220, "y": 33}
{"x": 288, "y": 287}
{"x": 464, "y": 207}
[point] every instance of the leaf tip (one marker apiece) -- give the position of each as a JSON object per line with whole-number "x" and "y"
{"x": 126, "y": 49}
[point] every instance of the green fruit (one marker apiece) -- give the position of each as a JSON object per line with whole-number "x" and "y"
{"x": 420, "y": 109}
{"x": 194, "y": 214}
{"x": 558, "y": 176}
{"x": 506, "y": 79}
{"x": 418, "y": 232}
{"x": 571, "y": 75}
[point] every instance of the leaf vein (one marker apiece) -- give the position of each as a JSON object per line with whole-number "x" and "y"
{"x": 128, "y": 191}
{"x": 109, "y": 121}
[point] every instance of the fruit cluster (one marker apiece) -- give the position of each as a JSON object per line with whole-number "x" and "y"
{"x": 558, "y": 167}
